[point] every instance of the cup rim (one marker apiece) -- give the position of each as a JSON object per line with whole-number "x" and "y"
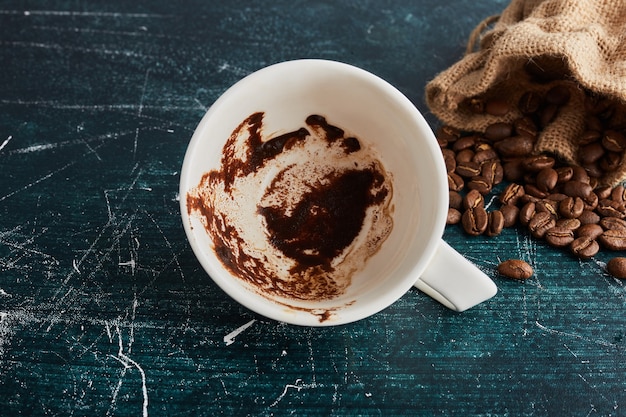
{"x": 342, "y": 316}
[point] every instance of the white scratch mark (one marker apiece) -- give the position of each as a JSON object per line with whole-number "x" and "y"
{"x": 490, "y": 202}
{"x": 169, "y": 245}
{"x": 59, "y": 47}
{"x": 202, "y": 106}
{"x": 575, "y": 336}
{"x": 72, "y": 13}
{"x": 229, "y": 339}
{"x": 144, "y": 388}
{"x": 129, "y": 363}
{"x": 140, "y": 112}
{"x": 6, "y": 142}
{"x": 32, "y": 184}
{"x": 104, "y": 107}
{"x": 107, "y": 326}
{"x": 298, "y": 386}
{"x": 130, "y": 263}
{"x": 5, "y": 332}
{"x": 75, "y": 266}
{"x": 62, "y": 144}
{"x": 91, "y": 150}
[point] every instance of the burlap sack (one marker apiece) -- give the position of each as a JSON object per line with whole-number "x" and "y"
{"x": 583, "y": 40}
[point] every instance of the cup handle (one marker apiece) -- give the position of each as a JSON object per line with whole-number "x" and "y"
{"x": 454, "y": 281}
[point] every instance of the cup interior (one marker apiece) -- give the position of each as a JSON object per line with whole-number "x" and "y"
{"x": 368, "y": 108}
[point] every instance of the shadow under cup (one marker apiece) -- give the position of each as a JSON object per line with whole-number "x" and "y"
{"x": 377, "y": 114}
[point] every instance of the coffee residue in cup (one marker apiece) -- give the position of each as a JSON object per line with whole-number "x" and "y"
{"x": 297, "y": 214}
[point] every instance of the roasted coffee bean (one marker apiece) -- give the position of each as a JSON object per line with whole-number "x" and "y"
{"x": 588, "y": 217}
{"x": 610, "y": 162}
{"x": 475, "y": 221}
{"x": 584, "y": 247}
{"x": 511, "y": 194}
{"x": 617, "y": 267}
{"x": 530, "y": 102}
{"x": 514, "y": 146}
{"x": 593, "y": 170}
{"x": 589, "y": 136}
{"x": 533, "y": 190}
{"x": 606, "y": 191}
{"x": 614, "y": 141}
{"x": 473, "y": 199}
{"x": 613, "y": 239}
{"x": 510, "y": 212}
{"x": 536, "y": 163}
{"x": 571, "y": 224}
{"x": 515, "y": 269}
{"x": 498, "y": 131}
{"x": 455, "y": 182}
{"x": 571, "y": 207}
{"x": 613, "y": 223}
{"x": 592, "y": 230}
{"x": 611, "y": 208}
{"x": 455, "y": 200}
{"x": 468, "y": 169}
{"x": 575, "y": 188}
{"x": 527, "y": 198}
{"x": 591, "y": 153}
{"x": 448, "y": 133}
{"x": 558, "y": 95}
{"x": 580, "y": 174}
{"x": 513, "y": 170}
{"x": 485, "y": 155}
{"x": 493, "y": 172}
{"x": 548, "y": 114}
{"x": 618, "y": 194}
{"x": 548, "y": 206}
{"x": 591, "y": 202}
{"x": 565, "y": 174}
{"x": 541, "y": 223}
{"x": 495, "y": 223}
{"x": 466, "y": 155}
{"x": 525, "y": 126}
{"x": 497, "y": 107}
{"x": 449, "y": 158}
{"x": 547, "y": 179}
{"x": 454, "y": 216}
{"x": 559, "y": 236}
{"x": 558, "y": 197}
{"x": 482, "y": 145}
{"x": 481, "y": 184}
{"x": 527, "y": 212}
{"x": 466, "y": 142}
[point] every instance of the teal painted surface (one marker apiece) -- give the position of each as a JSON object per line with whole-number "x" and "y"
{"x": 104, "y": 311}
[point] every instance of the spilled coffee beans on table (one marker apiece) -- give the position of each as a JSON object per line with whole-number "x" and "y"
{"x": 561, "y": 203}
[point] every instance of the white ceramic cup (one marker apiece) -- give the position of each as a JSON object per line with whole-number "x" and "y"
{"x": 414, "y": 254}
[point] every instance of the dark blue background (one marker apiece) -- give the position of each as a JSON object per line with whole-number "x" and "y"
{"x": 104, "y": 311}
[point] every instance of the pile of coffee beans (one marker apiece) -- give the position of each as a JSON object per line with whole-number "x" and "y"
{"x": 555, "y": 201}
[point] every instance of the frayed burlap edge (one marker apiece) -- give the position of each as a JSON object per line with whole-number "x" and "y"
{"x": 497, "y": 70}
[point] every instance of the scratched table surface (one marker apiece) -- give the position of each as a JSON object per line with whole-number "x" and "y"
{"x": 105, "y": 311}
